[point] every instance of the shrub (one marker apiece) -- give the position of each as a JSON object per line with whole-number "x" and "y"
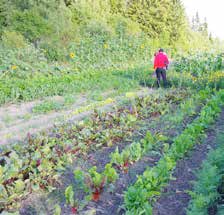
{"x": 53, "y": 50}
{"x": 22, "y": 61}
{"x": 98, "y": 29}
{"x": 124, "y": 26}
{"x": 30, "y": 23}
{"x": 13, "y": 39}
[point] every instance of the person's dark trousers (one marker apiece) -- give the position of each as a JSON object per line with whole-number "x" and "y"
{"x": 161, "y": 72}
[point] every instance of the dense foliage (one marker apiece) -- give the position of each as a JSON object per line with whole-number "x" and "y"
{"x": 199, "y": 63}
{"x": 95, "y": 35}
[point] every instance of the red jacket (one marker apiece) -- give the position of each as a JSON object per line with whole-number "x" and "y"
{"x": 161, "y": 60}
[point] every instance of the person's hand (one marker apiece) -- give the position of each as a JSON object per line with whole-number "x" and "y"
{"x": 154, "y": 74}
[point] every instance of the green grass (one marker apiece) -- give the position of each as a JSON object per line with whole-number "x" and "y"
{"x": 14, "y": 89}
{"x": 7, "y": 119}
{"x": 47, "y": 106}
{"x": 53, "y": 105}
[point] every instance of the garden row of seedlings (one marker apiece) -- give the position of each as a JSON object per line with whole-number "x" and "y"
{"x": 145, "y": 111}
{"x": 91, "y": 182}
{"x": 207, "y": 196}
{"x": 38, "y": 162}
{"x": 139, "y": 198}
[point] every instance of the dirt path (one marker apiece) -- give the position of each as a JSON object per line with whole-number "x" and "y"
{"x": 175, "y": 198}
{"x": 16, "y": 120}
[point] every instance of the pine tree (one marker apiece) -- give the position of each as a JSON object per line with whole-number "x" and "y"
{"x": 193, "y": 24}
{"x": 158, "y": 18}
{"x": 197, "y": 22}
{"x": 176, "y": 21}
{"x": 205, "y": 28}
{"x": 198, "y": 26}
{"x": 117, "y": 6}
{"x": 150, "y": 14}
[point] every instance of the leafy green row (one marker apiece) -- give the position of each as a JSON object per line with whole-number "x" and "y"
{"x": 188, "y": 108}
{"x": 99, "y": 127}
{"x": 38, "y": 162}
{"x": 134, "y": 152}
{"x": 124, "y": 159}
{"x": 208, "y": 187}
{"x": 186, "y": 79}
{"x": 148, "y": 186}
{"x": 92, "y": 183}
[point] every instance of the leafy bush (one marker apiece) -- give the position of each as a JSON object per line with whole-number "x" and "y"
{"x": 53, "y": 50}
{"x": 30, "y": 23}
{"x": 199, "y": 63}
{"x": 97, "y": 29}
{"x": 124, "y": 26}
{"x": 22, "y": 62}
{"x": 12, "y": 39}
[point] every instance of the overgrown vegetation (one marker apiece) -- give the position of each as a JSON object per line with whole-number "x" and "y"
{"x": 59, "y": 35}
{"x": 199, "y": 64}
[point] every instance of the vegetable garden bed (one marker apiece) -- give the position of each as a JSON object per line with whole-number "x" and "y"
{"x": 101, "y": 158}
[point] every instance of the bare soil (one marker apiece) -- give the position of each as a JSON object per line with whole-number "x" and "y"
{"x": 16, "y": 120}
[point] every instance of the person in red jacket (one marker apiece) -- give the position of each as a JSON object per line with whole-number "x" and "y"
{"x": 161, "y": 63}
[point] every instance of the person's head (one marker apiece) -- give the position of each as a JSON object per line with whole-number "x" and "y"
{"x": 161, "y": 50}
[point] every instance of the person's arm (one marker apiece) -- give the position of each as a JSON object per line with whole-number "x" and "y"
{"x": 166, "y": 61}
{"x": 155, "y": 62}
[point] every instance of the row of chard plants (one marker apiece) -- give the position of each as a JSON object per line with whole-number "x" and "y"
{"x": 91, "y": 183}
{"x": 139, "y": 198}
{"x": 38, "y": 162}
